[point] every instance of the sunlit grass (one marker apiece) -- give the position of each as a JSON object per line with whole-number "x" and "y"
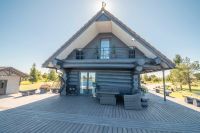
{"x": 186, "y": 92}
{"x": 30, "y": 86}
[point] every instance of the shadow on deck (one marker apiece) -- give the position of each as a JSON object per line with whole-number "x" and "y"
{"x": 85, "y": 114}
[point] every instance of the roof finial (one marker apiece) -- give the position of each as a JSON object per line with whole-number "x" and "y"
{"x": 103, "y": 5}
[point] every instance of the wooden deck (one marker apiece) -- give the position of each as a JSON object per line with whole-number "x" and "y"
{"x": 84, "y": 115}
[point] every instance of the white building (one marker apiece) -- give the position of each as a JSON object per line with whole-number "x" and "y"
{"x": 10, "y": 80}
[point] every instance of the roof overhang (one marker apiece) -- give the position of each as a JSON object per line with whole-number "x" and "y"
{"x": 110, "y": 25}
{"x": 98, "y": 27}
{"x": 10, "y": 71}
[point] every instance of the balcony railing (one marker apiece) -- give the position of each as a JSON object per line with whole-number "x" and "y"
{"x": 106, "y": 53}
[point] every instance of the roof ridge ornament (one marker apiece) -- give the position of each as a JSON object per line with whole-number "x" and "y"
{"x": 103, "y": 5}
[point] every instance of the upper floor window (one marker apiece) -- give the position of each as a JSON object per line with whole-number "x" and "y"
{"x": 105, "y": 49}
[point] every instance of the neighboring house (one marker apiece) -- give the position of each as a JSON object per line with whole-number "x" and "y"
{"x": 10, "y": 80}
{"x": 108, "y": 54}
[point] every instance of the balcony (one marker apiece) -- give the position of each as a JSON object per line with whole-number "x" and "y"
{"x": 106, "y": 53}
{"x": 108, "y": 58}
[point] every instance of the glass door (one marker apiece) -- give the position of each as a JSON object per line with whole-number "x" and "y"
{"x": 91, "y": 83}
{"x": 83, "y": 83}
{"x": 87, "y": 83}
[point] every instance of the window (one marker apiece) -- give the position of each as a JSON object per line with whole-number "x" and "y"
{"x": 105, "y": 49}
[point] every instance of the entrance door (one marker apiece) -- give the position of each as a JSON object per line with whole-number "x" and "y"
{"x": 87, "y": 83}
{"x": 3, "y": 84}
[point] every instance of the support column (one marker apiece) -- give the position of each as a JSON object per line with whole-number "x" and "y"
{"x": 65, "y": 77}
{"x": 164, "y": 87}
{"x": 136, "y": 79}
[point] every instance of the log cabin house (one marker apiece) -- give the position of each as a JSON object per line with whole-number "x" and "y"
{"x": 105, "y": 54}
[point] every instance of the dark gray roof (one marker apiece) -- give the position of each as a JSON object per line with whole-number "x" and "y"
{"x": 105, "y": 17}
{"x": 13, "y": 70}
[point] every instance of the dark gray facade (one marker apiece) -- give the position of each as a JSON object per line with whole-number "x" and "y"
{"x": 119, "y": 79}
{"x": 118, "y": 50}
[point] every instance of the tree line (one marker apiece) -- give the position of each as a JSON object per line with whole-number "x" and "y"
{"x": 186, "y": 72}
{"x": 36, "y": 75}
{"x": 151, "y": 78}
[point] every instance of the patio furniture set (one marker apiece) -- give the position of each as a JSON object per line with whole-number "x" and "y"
{"x": 131, "y": 102}
{"x": 109, "y": 97}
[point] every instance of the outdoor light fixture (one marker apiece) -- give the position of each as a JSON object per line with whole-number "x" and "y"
{"x": 133, "y": 39}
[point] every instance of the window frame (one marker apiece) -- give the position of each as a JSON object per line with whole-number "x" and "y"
{"x": 105, "y": 54}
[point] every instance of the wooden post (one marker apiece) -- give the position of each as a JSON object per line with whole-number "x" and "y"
{"x": 135, "y": 82}
{"x": 164, "y": 92}
{"x": 65, "y": 78}
{"x": 136, "y": 79}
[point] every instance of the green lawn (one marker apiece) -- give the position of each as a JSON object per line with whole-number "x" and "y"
{"x": 180, "y": 93}
{"x": 26, "y": 85}
{"x": 185, "y": 91}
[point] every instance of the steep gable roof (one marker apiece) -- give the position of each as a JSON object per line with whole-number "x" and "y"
{"x": 108, "y": 19}
{"x": 8, "y": 71}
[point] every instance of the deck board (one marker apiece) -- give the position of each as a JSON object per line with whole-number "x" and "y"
{"x": 86, "y": 115}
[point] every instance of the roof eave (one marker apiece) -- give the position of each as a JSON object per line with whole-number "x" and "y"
{"x": 169, "y": 63}
{"x": 17, "y": 72}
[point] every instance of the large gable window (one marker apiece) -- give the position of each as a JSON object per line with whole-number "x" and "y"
{"x": 105, "y": 49}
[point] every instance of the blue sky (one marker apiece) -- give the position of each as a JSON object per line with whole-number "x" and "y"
{"x": 31, "y": 30}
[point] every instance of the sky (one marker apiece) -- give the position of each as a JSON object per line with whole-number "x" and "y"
{"x": 32, "y": 30}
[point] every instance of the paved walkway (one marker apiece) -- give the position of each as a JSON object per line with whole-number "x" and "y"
{"x": 52, "y": 113}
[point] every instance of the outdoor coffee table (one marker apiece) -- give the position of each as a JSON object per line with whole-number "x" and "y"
{"x": 108, "y": 97}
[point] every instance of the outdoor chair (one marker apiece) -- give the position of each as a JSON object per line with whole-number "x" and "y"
{"x": 24, "y": 93}
{"x": 55, "y": 90}
{"x": 157, "y": 90}
{"x": 168, "y": 92}
{"x": 196, "y": 102}
{"x": 144, "y": 102}
{"x": 72, "y": 90}
{"x": 188, "y": 99}
{"x": 32, "y": 92}
{"x": 28, "y": 92}
{"x": 96, "y": 91}
{"x": 43, "y": 88}
{"x": 133, "y": 102}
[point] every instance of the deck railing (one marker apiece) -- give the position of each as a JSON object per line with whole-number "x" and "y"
{"x": 106, "y": 53}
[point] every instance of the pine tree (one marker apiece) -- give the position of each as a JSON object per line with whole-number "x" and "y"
{"x": 45, "y": 77}
{"x": 184, "y": 71}
{"x": 52, "y": 76}
{"x": 33, "y": 74}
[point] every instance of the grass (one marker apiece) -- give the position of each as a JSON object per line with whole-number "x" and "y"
{"x": 180, "y": 93}
{"x": 176, "y": 94}
{"x": 26, "y": 85}
{"x": 185, "y": 91}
